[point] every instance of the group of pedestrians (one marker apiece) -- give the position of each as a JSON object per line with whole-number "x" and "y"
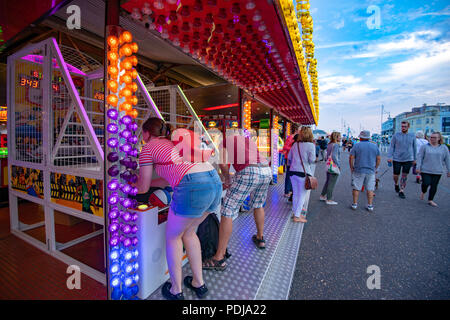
{"x": 198, "y": 186}
{"x": 197, "y": 193}
{"x": 429, "y": 160}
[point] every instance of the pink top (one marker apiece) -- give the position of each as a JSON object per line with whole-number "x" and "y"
{"x": 166, "y": 158}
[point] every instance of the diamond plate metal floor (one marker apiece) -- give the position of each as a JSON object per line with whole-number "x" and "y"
{"x": 253, "y": 273}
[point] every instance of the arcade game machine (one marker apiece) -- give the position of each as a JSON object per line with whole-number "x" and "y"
{"x": 3, "y": 157}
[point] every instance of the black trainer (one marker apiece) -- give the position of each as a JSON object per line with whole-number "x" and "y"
{"x": 201, "y": 291}
{"x": 401, "y": 195}
{"x": 169, "y": 295}
{"x": 397, "y": 188}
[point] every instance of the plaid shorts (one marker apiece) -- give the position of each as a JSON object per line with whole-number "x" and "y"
{"x": 252, "y": 180}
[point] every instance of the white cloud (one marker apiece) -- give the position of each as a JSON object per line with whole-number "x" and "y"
{"x": 404, "y": 43}
{"x": 421, "y": 12}
{"x": 343, "y": 89}
{"x": 433, "y": 62}
{"x": 339, "y": 25}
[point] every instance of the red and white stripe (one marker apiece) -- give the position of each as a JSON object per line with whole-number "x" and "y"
{"x": 167, "y": 161}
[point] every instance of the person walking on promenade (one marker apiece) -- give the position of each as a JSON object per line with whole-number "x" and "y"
{"x": 333, "y": 151}
{"x": 253, "y": 176}
{"x": 364, "y": 161}
{"x": 301, "y": 156}
{"x": 420, "y": 141}
{"x": 432, "y": 159}
{"x": 402, "y": 153}
{"x": 323, "y": 146}
{"x": 287, "y": 181}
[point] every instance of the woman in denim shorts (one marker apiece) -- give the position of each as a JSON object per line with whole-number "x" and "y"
{"x": 197, "y": 192}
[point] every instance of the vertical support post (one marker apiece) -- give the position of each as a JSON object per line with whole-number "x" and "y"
{"x": 241, "y": 103}
{"x": 112, "y": 11}
{"x": 10, "y": 102}
{"x": 46, "y": 143}
{"x": 173, "y": 106}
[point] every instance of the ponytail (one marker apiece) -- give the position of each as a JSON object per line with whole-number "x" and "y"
{"x": 157, "y": 127}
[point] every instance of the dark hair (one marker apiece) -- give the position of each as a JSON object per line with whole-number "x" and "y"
{"x": 296, "y": 138}
{"x": 157, "y": 127}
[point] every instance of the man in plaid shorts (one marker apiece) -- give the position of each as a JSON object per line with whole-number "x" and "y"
{"x": 253, "y": 176}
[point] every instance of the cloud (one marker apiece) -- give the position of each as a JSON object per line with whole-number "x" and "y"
{"x": 422, "y": 12}
{"x": 339, "y": 25}
{"x": 433, "y": 62}
{"x": 340, "y": 44}
{"x": 343, "y": 89}
{"x": 403, "y": 43}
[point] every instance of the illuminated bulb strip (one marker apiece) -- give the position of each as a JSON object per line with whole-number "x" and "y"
{"x": 121, "y": 130}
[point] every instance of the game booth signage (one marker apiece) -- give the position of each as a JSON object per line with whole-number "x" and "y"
{"x": 74, "y": 137}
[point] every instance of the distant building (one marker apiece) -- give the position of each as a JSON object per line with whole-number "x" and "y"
{"x": 426, "y": 118}
{"x": 387, "y": 128}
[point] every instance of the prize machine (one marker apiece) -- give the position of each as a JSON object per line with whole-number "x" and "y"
{"x": 3, "y": 156}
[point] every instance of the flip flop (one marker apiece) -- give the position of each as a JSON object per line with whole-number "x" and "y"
{"x": 212, "y": 264}
{"x": 260, "y": 243}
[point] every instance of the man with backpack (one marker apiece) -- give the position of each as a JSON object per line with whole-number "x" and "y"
{"x": 253, "y": 176}
{"x": 323, "y": 145}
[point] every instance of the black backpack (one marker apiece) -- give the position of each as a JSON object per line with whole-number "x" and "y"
{"x": 208, "y": 234}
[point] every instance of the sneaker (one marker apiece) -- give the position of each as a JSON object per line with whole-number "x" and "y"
{"x": 354, "y": 206}
{"x": 323, "y": 198}
{"x": 369, "y": 208}
{"x": 397, "y": 188}
{"x": 331, "y": 202}
{"x": 401, "y": 195}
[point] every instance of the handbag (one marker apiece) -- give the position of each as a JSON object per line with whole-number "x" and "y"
{"x": 311, "y": 182}
{"x": 330, "y": 165}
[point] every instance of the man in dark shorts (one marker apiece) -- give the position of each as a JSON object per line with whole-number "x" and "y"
{"x": 402, "y": 153}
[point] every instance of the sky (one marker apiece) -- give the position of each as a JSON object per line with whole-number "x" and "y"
{"x": 401, "y": 60}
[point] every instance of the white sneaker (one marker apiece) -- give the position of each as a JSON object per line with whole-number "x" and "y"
{"x": 323, "y": 198}
{"x": 354, "y": 206}
{"x": 331, "y": 202}
{"x": 369, "y": 208}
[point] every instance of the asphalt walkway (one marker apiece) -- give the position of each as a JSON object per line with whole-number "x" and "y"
{"x": 407, "y": 239}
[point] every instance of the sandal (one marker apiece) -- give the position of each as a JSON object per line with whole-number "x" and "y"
{"x": 260, "y": 243}
{"x": 201, "y": 291}
{"x": 169, "y": 295}
{"x": 213, "y": 264}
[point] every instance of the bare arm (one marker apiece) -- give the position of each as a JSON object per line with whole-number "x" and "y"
{"x": 351, "y": 161}
{"x": 144, "y": 178}
{"x": 378, "y": 162}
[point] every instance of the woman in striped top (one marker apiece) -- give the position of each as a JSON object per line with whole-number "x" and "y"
{"x": 197, "y": 191}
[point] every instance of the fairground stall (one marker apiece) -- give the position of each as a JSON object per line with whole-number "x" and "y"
{"x": 74, "y": 132}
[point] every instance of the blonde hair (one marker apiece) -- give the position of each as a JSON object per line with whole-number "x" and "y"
{"x": 306, "y": 135}
{"x": 334, "y": 136}
{"x": 440, "y": 141}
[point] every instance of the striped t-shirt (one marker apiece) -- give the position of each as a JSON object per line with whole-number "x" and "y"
{"x": 166, "y": 158}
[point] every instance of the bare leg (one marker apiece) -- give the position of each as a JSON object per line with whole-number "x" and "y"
{"x": 403, "y": 181}
{"x": 176, "y": 226}
{"x": 396, "y": 179}
{"x": 258, "y": 214}
{"x": 369, "y": 197}
{"x": 355, "y": 194}
{"x": 225, "y": 229}
{"x": 193, "y": 250}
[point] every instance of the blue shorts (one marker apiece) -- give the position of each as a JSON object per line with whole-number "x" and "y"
{"x": 196, "y": 194}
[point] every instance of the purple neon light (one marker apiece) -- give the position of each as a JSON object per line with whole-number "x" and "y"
{"x": 40, "y": 60}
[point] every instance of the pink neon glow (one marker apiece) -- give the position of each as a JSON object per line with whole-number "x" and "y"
{"x": 40, "y": 59}
{"x": 222, "y": 107}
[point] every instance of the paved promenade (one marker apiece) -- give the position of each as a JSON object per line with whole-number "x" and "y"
{"x": 407, "y": 239}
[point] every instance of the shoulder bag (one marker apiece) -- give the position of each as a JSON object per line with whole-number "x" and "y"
{"x": 311, "y": 182}
{"x": 330, "y": 165}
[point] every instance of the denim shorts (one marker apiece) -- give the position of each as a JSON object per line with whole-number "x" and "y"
{"x": 196, "y": 194}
